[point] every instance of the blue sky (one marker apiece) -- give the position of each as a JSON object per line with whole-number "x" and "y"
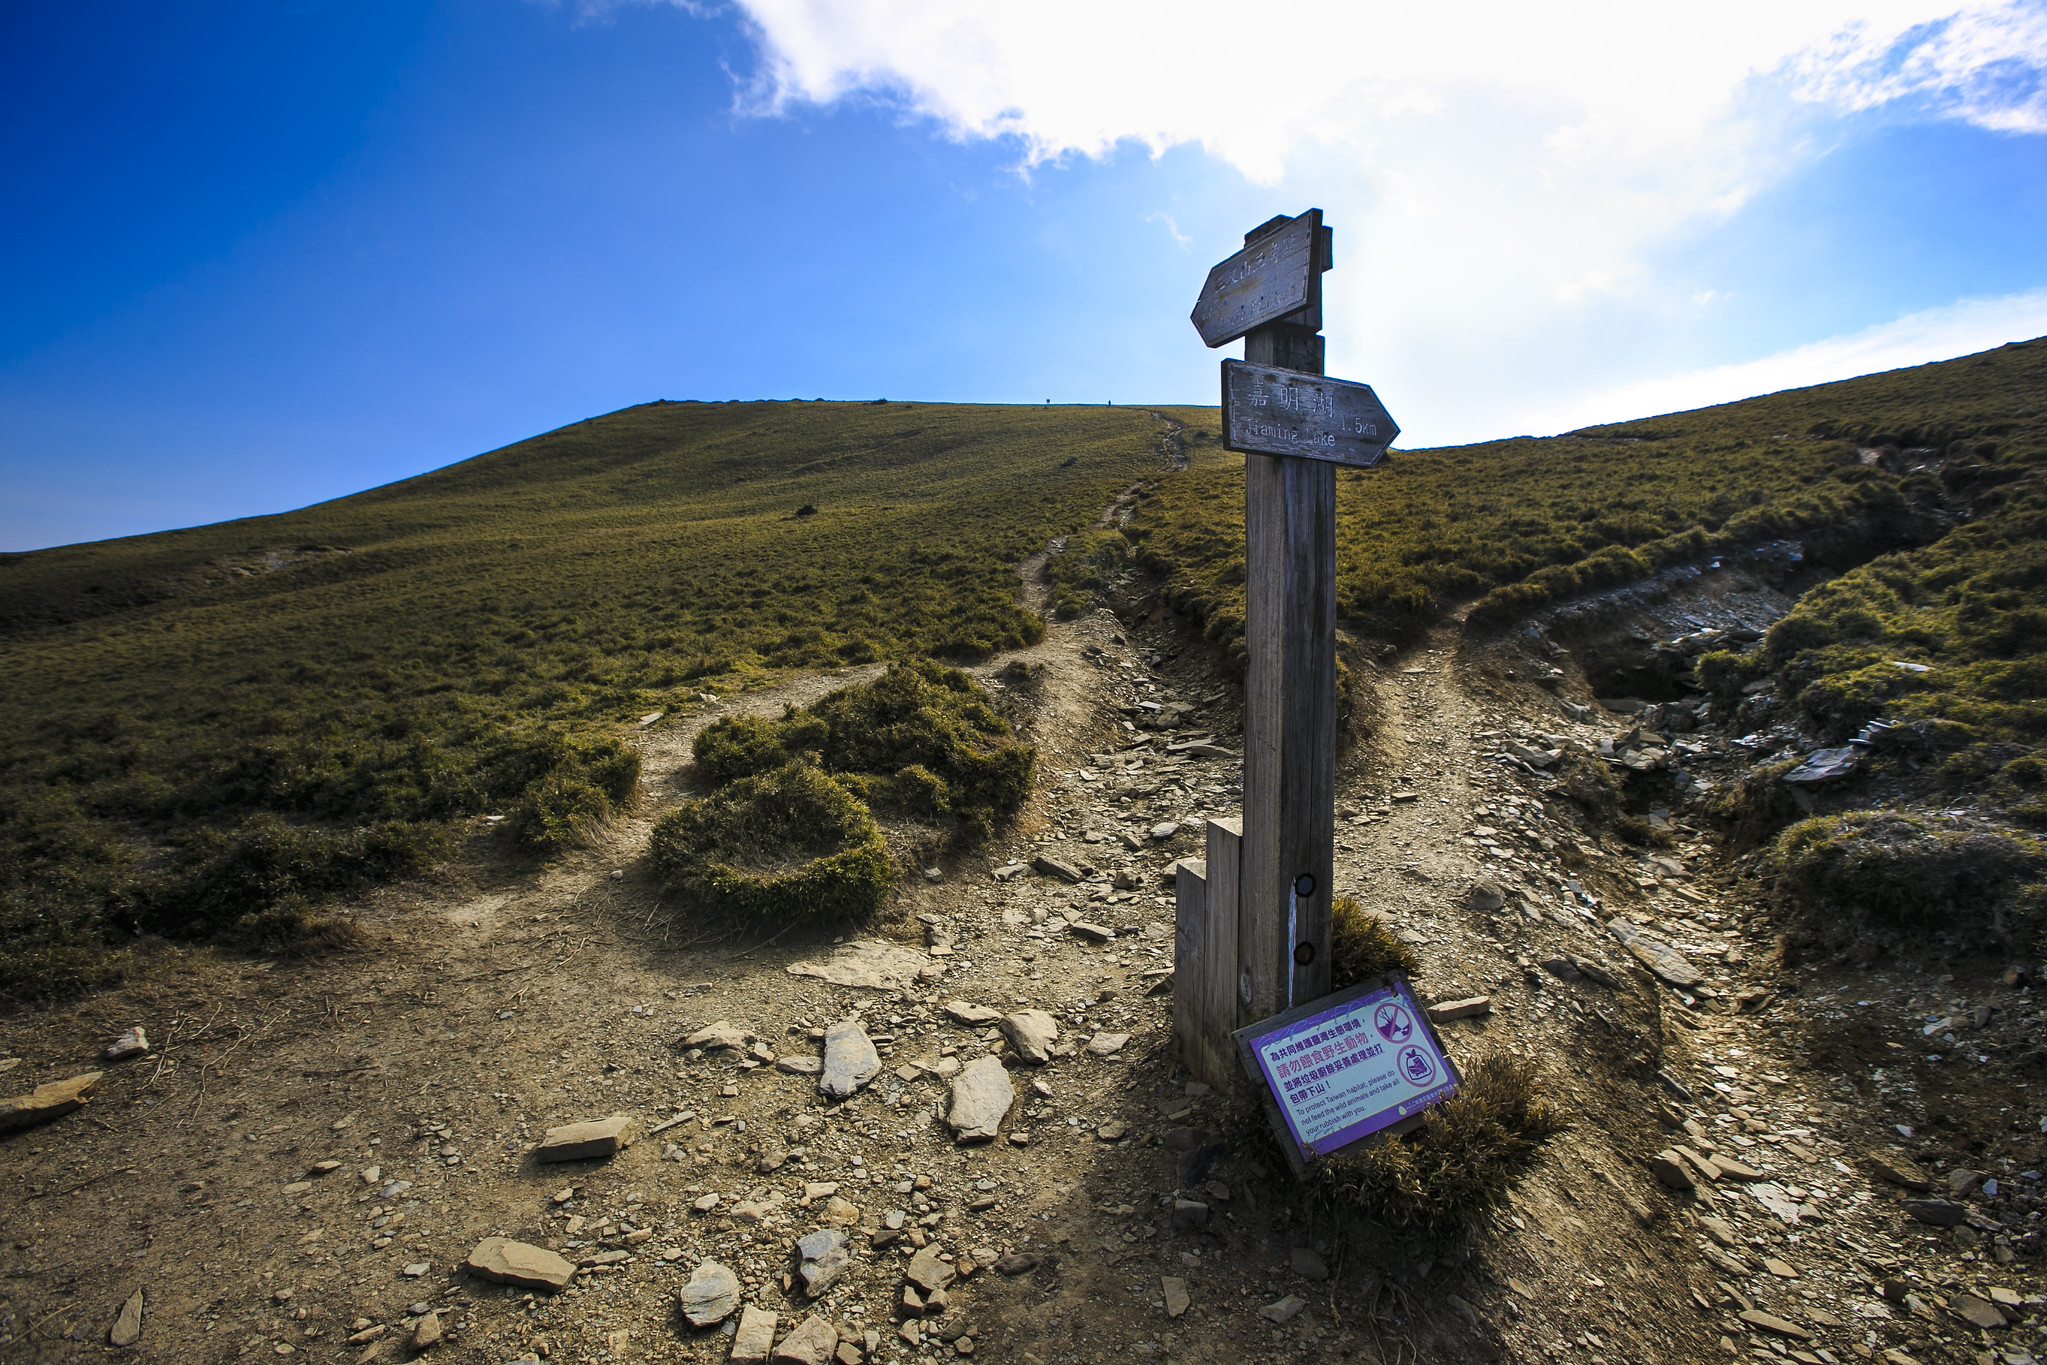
{"x": 259, "y": 255}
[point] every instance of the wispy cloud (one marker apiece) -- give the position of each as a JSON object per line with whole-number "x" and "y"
{"x": 1916, "y": 339}
{"x": 1509, "y": 166}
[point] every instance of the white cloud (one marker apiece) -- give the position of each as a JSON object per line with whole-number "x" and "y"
{"x": 1593, "y": 79}
{"x": 1916, "y": 339}
{"x": 1520, "y": 163}
{"x": 1505, "y": 178}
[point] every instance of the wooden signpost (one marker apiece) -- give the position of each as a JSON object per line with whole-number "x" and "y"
{"x": 1253, "y": 923}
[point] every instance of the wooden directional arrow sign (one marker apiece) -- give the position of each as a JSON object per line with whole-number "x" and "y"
{"x": 1285, "y": 412}
{"x": 1277, "y": 275}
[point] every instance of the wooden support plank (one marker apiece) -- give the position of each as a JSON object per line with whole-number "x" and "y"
{"x": 1218, "y": 985}
{"x": 1190, "y": 961}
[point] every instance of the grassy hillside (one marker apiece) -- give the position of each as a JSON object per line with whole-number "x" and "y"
{"x": 1518, "y": 522}
{"x": 215, "y": 729}
{"x": 206, "y": 725}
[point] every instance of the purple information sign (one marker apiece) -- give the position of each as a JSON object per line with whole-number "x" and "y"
{"x": 1350, "y": 1065}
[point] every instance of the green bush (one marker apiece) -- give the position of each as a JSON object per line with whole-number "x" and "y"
{"x": 921, "y": 739}
{"x": 1437, "y": 1181}
{"x": 787, "y": 843}
{"x": 1078, "y": 574}
{"x": 291, "y": 928}
{"x": 1361, "y": 946}
{"x": 735, "y": 746}
{"x": 1589, "y": 781}
{"x": 1901, "y": 869}
{"x": 1724, "y": 672}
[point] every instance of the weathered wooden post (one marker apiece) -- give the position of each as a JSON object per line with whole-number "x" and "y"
{"x": 1294, "y": 427}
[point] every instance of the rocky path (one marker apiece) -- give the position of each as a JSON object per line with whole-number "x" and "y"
{"x": 312, "y": 1154}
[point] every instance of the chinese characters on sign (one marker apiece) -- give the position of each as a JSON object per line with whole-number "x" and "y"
{"x": 1278, "y": 275}
{"x": 1285, "y": 412}
{"x": 1350, "y": 1065}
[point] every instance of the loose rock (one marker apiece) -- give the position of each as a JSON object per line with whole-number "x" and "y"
{"x": 133, "y": 1043}
{"x": 1052, "y": 867}
{"x": 711, "y": 1296}
{"x": 1899, "y": 1170}
{"x": 53, "y": 1099}
{"x": 1107, "y": 1044}
{"x": 581, "y": 1141}
{"x": 1476, "y": 1006}
{"x": 850, "y": 1060}
{"x": 755, "y": 1337}
{"x": 504, "y": 1261}
{"x": 426, "y": 1332}
{"x": 1308, "y": 1263}
{"x": 928, "y": 1272}
{"x": 981, "y": 1097}
{"x": 1941, "y": 1213}
{"x": 127, "y": 1328}
{"x": 1769, "y": 1322}
{"x": 814, "y": 1342}
{"x": 1175, "y": 1289}
{"x": 971, "y": 1015}
{"x": 1285, "y": 1311}
{"x": 1976, "y": 1312}
{"x": 1673, "y": 1170}
{"x": 825, "y": 1260}
{"x": 721, "y": 1036}
{"x": 1017, "y": 1263}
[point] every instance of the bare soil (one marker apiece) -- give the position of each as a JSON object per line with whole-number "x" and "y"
{"x": 499, "y": 998}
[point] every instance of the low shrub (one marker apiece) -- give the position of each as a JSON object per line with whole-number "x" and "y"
{"x": 1906, "y": 870}
{"x": 1589, "y": 782}
{"x": 788, "y": 843}
{"x": 1080, "y": 572}
{"x": 921, "y": 739}
{"x": 1438, "y": 1180}
{"x": 1361, "y": 946}
{"x": 291, "y": 928}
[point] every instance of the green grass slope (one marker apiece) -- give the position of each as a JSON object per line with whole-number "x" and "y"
{"x": 209, "y": 727}
{"x": 1519, "y": 522}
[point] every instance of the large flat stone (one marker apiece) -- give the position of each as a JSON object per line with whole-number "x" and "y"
{"x": 1655, "y": 953}
{"x": 504, "y": 1261}
{"x": 711, "y": 1296}
{"x": 127, "y": 1328}
{"x": 814, "y": 1342}
{"x": 981, "y": 1097}
{"x": 722, "y": 1036}
{"x": 825, "y": 1260}
{"x": 1032, "y": 1033}
{"x": 53, "y": 1099}
{"x": 928, "y": 1272}
{"x": 581, "y": 1141}
{"x": 755, "y": 1338}
{"x": 1942, "y": 1213}
{"x": 869, "y": 964}
{"x": 850, "y": 1060}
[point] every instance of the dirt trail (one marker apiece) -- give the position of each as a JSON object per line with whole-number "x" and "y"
{"x": 502, "y": 998}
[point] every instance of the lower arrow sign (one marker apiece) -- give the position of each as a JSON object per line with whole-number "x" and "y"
{"x": 1268, "y": 411}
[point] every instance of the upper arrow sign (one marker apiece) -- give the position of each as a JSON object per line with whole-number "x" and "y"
{"x": 1285, "y": 412}
{"x": 1278, "y": 274}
